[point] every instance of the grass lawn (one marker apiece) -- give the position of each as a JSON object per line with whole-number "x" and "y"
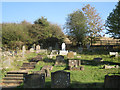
{"x": 92, "y": 76}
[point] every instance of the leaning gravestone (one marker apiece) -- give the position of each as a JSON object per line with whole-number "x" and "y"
{"x": 70, "y": 55}
{"x": 60, "y": 79}
{"x": 34, "y": 80}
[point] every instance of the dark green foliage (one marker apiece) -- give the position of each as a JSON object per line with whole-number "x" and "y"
{"x": 113, "y": 22}
{"x": 15, "y": 35}
{"x": 46, "y": 33}
{"x": 76, "y": 26}
{"x": 18, "y": 34}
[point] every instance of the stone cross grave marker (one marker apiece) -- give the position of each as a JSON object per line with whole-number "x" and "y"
{"x": 34, "y": 80}
{"x": 60, "y": 79}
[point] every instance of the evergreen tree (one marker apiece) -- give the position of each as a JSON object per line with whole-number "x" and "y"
{"x": 113, "y": 22}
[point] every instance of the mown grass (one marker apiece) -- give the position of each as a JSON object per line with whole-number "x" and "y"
{"x": 92, "y": 76}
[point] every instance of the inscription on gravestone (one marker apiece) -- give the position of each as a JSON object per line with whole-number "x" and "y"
{"x": 34, "y": 80}
{"x": 60, "y": 79}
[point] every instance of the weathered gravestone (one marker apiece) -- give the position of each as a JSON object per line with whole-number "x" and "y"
{"x": 63, "y": 52}
{"x": 98, "y": 59}
{"x": 70, "y": 55}
{"x": 60, "y": 60}
{"x": 54, "y": 52}
{"x": 109, "y": 67}
{"x": 34, "y": 80}
{"x": 31, "y": 49}
{"x": 37, "y": 47}
{"x": 36, "y": 59}
{"x": 112, "y": 81}
{"x": 113, "y": 54}
{"x": 80, "y": 49}
{"x": 75, "y": 65}
{"x": 43, "y": 51}
{"x": 60, "y": 79}
{"x": 60, "y": 57}
{"x": 47, "y": 67}
{"x": 23, "y": 50}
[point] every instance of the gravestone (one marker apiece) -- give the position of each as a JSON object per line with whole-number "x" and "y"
{"x": 113, "y": 54}
{"x": 47, "y": 67}
{"x": 54, "y": 52}
{"x": 109, "y": 67}
{"x": 31, "y": 49}
{"x": 37, "y": 47}
{"x": 63, "y": 52}
{"x": 34, "y": 46}
{"x": 60, "y": 79}
{"x": 70, "y": 55}
{"x": 78, "y": 56}
{"x": 34, "y": 80}
{"x": 23, "y": 50}
{"x": 112, "y": 81}
{"x": 60, "y": 60}
{"x": 98, "y": 59}
{"x": 75, "y": 65}
{"x": 51, "y": 56}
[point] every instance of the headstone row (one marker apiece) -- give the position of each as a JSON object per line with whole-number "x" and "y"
{"x": 59, "y": 79}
